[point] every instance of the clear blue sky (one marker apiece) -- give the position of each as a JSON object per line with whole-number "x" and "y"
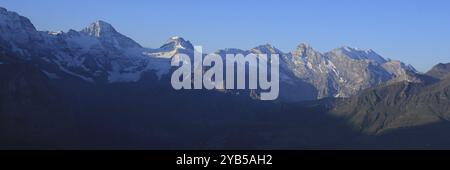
{"x": 416, "y": 32}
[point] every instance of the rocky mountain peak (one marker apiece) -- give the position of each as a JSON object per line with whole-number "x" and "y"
{"x": 266, "y": 49}
{"x": 15, "y": 22}
{"x": 304, "y": 50}
{"x": 99, "y": 28}
{"x": 177, "y": 42}
{"x": 304, "y": 46}
{"x": 440, "y": 71}
{"x": 359, "y": 54}
{"x": 108, "y": 35}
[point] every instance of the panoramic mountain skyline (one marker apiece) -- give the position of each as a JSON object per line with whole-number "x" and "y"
{"x": 96, "y": 86}
{"x": 101, "y": 54}
{"x": 410, "y": 31}
{"x": 223, "y": 83}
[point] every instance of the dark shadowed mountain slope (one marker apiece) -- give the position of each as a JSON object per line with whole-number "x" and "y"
{"x": 31, "y": 111}
{"x": 439, "y": 71}
{"x": 398, "y": 105}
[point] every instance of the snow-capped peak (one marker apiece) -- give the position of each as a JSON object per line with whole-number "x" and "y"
{"x": 266, "y": 49}
{"x": 176, "y": 38}
{"x": 14, "y": 21}
{"x": 360, "y": 54}
{"x": 352, "y": 49}
{"x": 55, "y": 33}
{"x": 108, "y": 35}
{"x": 16, "y": 28}
{"x": 175, "y": 43}
{"x": 99, "y": 28}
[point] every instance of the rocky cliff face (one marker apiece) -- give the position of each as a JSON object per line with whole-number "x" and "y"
{"x": 344, "y": 71}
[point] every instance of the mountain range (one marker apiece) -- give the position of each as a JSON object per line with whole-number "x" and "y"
{"x": 100, "y": 54}
{"x": 97, "y": 87}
